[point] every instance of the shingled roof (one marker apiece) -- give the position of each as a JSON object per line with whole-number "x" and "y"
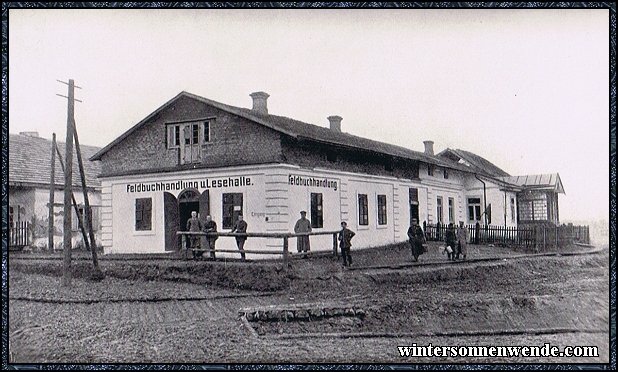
{"x": 478, "y": 163}
{"x": 299, "y": 130}
{"x": 30, "y": 163}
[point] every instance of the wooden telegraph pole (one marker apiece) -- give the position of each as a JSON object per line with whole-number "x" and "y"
{"x": 68, "y": 188}
{"x": 87, "y": 211}
{"x": 52, "y": 191}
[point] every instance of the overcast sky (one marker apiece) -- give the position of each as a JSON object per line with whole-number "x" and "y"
{"x": 526, "y": 89}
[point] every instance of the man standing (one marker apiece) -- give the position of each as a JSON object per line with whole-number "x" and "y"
{"x": 345, "y": 237}
{"x": 303, "y": 225}
{"x": 417, "y": 238}
{"x": 240, "y": 227}
{"x": 451, "y": 241}
{"x": 194, "y": 225}
{"x": 211, "y": 226}
{"x": 462, "y": 237}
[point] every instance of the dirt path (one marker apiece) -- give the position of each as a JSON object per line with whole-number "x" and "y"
{"x": 560, "y": 292}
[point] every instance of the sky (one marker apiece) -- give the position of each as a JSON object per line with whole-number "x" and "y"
{"x": 527, "y": 89}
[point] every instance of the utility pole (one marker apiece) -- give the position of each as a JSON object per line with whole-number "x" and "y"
{"x": 87, "y": 211}
{"x": 52, "y": 191}
{"x": 68, "y": 185}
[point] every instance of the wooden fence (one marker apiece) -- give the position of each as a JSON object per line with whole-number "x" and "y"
{"x": 284, "y": 251}
{"x": 19, "y": 234}
{"x": 539, "y": 236}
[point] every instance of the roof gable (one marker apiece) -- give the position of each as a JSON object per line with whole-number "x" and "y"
{"x": 474, "y": 161}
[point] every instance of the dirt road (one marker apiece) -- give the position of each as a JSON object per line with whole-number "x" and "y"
{"x": 561, "y": 293}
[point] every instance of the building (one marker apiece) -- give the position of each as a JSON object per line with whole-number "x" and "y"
{"x": 29, "y": 186}
{"x": 195, "y": 154}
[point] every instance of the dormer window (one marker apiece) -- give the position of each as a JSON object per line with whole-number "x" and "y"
{"x": 195, "y": 132}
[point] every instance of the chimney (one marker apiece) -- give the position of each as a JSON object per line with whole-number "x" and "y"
{"x": 428, "y": 147}
{"x": 259, "y": 102}
{"x": 335, "y": 123}
{"x": 30, "y": 134}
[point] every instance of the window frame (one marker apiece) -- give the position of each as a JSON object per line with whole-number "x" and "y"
{"x": 139, "y": 221}
{"x": 476, "y": 208}
{"x": 363, "y": 218}
{"x": 451, "y": 210}
{"x": 439, "y": 209}
{"x": 382, "y": 210}
{"x": 234, "y": 216}
{"x": 317, "y": 211}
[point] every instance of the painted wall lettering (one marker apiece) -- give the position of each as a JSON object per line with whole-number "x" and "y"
{"x": 181, "y": 185}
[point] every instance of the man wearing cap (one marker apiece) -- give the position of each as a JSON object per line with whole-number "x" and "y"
{"x": 345, "y": 243}
{"x": 462, "y": 237}
{"x": 303, "y": 225}
{"x": 417, "y": 238}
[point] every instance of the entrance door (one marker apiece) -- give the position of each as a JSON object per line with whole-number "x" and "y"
{"x": 171, "y": 221}
{"x": 413, "y": 193}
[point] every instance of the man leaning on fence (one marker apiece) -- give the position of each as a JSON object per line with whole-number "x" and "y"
{"x": 240, "y": 227}
{"x": 303, "y": 225}
{"x": 417, "y": 238}
{"x": 194, "y": 225}
{"x": 211, "y": 226}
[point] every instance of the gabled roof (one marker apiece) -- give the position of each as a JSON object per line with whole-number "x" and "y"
{"x": 30, "y": 162}
{"x": 474, "y": 161}
{"x": 299, "y": 130}
{"x": 549, "y": 182}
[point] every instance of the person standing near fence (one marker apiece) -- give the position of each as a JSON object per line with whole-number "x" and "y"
{"x": 240, "y": 227}
{"x": 345, "y": 243}
{"x": 417, "y": 238}
{"x": 462, "y": 240}
{"x": 303, "y": 225}
{"x": 451, "y": 241}
{"x": 211, "y": 226}
{"x": 194, "y": 225}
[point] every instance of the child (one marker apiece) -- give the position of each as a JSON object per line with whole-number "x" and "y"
{"x": 345, "y": 237}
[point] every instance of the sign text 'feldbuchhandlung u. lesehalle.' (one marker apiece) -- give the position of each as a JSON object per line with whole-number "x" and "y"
{"x": 182, "y": 185}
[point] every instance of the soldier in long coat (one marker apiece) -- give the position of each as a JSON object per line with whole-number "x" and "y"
{"x": 417, "y": 238}
{"x": 194, "y": 225}
{"x": 210, "y": 226}
{"x": 451, "y": 241}
{"x": 303, "y": 225}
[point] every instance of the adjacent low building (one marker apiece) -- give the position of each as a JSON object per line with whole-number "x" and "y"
{"x": 29, "y": 188}
{"x": 196, "y": 154}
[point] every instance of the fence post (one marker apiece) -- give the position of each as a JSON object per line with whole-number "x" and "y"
{"x": 285, "y": 252}
{"x": 557, "y": 237}
{"x": 335, "y": 244}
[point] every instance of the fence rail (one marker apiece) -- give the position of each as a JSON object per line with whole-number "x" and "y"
{"x": 285, "y": 252}
{"x": 19, "y": 235}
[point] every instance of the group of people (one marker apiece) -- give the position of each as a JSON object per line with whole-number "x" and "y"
{"x": 194, "y": 224}
{"x": 303, "y": 225}
{"x": 456, "y": 240}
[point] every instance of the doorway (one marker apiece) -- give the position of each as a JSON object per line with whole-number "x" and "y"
{"x": 188, "y": 201}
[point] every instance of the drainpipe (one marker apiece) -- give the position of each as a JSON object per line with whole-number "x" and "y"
{"x": 484, "y": 197}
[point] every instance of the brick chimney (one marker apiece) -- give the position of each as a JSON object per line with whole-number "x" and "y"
{"x": 428, "y": 147}
{"x": 335, "y": 123}
{"x": 259, "y": 102}
{"x": 30, "y": 134}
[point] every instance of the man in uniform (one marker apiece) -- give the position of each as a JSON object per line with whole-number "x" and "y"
{"x": 451, "y": 241}
{"x": 240, "y": 227}
{"x": 303, "y": 225}
{"x": 462, "y": 237}
{"x": 345, "y": 237}
{"x": 417, "y": 238}
{"x": 194, "y": 225}
{"x": 210, "y": 226}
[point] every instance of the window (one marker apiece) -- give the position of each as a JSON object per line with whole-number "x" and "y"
{"x": 188, "y": 134}
{"x": 206, "y": 131}
{"x": 232, "y": 207}
{"x": 430, "y": 170}
{"x": 382, "y": 210}
{"x": 445, "y": 173}
{"x": 439, "y": 209}
{"x": 317, "y": 216}
{"x": 474, "y": 209}
{"x": 363, "y": 210}
{"x": 513, "y": 210}
{"x": 11, "y": 216}
{"x": 413, "y": 196}
{"x": 143, "y": 214}
{"x": 451, "y": 210}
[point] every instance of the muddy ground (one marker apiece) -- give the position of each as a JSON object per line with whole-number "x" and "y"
{"x": 162, "y": 314}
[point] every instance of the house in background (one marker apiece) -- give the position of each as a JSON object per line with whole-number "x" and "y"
{"x": 536, "y": 199}
{"x": 29, "y": 186}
